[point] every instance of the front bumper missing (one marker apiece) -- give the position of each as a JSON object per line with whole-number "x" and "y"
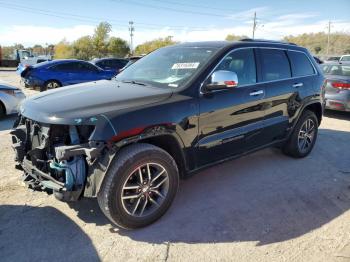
{"x": 36, "y": 163}
{"x": 37, "y": 179}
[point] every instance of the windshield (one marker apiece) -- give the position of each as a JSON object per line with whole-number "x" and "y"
{"x": 167, "y": 67}
{"x": 340, "y": 70}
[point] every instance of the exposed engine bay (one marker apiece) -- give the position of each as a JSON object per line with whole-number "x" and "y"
{"x": 57, "y": 158}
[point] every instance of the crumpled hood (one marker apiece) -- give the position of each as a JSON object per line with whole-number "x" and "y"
{"x": 67, "y": 104}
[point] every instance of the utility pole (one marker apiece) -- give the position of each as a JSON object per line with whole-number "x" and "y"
{"x": 131, "y": 30}
{"x": 328, "y": 38}
{"x": 254, "y": 24}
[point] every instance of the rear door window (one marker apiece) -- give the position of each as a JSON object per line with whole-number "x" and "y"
{"x": 275, "y": 64}
{"x": 67, "y": 67}
{"x": 301, "y": 65}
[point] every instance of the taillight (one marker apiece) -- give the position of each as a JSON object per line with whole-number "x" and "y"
{"x": 341, "y": 85}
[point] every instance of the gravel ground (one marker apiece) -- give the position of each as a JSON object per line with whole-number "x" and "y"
{"x": 262, "y": 207}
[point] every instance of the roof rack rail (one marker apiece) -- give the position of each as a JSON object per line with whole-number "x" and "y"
{"x": 265, "y": 41}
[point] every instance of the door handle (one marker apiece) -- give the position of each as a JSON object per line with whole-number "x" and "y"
{"x": 256, "y": 93}
{"x": 298, "y": 85}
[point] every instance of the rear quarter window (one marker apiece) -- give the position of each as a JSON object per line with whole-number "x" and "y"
{"x": 301, "y": 65}
{"x": 275, "y": 64}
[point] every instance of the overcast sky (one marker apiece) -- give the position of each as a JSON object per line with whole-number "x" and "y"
{"x": 41, "y": 22}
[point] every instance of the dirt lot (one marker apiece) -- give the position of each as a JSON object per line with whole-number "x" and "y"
{"x": 263, "y": 207}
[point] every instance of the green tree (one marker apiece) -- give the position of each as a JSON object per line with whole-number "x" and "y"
{"x": 338, "y": 44}
{"x": 18, "y": 46}
{"x": 150, "y": 46}
{"x": 118, "y": 47}
{"x": 63, "y": 50}
{"x": 7, "y": 52}
{"x": 100, "y": 39}
{"x": 232, "y": 37}
{"x": 83, "y": 48}
{"x": 38, "y": 50}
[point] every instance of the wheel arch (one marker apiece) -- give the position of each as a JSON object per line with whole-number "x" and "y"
{"x": 315, "y": 107}
{"x": 169, "y": 142}
{"x": 3, "y": 107}
{"x": 171, "y": 145}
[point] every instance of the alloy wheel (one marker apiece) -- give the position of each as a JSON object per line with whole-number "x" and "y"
{"x": 306, "y": 135}
{"x": 145, "y": 189}
{"x": 52, "y": 85}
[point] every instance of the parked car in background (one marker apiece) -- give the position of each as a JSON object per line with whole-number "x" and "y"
{"x": 337, "y": 86}
{"x": 53, "y": 74}
{"x": 110, "y": 63}
{"x": 24, "y": 64}
{"x": 132, "y": 60}
{"x": 332, "y": 59}
{"x": 181, "y": 108}
{"x": 10, "y": 99}
{"x": 345, "y": 58}
{"x": 318, "y": 61}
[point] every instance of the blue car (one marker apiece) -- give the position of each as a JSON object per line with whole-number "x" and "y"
{"x": 110, "y": 63}
{"x": 53, "y": 74}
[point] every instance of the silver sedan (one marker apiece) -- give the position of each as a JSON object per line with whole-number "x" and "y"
{"x": 337, "y": 86}
{"x": 10, "y": 99}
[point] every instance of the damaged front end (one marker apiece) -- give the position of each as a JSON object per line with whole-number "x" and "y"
{"x": 57, "y": 158}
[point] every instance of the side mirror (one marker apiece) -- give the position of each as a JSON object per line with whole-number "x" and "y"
{"x": 222, "y": 79}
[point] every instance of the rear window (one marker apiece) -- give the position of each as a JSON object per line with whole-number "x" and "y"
{"x": 301, "y": 65}
{"x": 340, "y": 70}
{"x": 275, "y": 65}
{"x": 345, "y": 58}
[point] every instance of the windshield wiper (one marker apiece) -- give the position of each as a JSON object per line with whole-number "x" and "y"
{"x": 134, "y": 82}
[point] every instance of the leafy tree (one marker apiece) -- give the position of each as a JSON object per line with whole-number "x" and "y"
{"x": 7, "y": 52}
{"x": 18, "y": 46}
{"x": 339, "y": 42}
{"x": 150, "y": 46}
{"x": 118, "y": 47}
{"x": 63, "y": 50}
{"x": 232, "y": 37}
{"x": 83, "y": 48}
{"x": 100, "y": 39}
{"x": 38, "y": 50}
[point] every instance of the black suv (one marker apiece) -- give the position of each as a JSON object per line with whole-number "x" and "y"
{"x": 128, "y": 140}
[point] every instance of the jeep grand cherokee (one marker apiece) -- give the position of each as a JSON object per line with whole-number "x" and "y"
{"x": 128, "y": 140}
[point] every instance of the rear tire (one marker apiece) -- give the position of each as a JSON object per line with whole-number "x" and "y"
{"x": 303, "y": 137}
{"x": 139, "y": 186}
{"x": 51, "y": 84}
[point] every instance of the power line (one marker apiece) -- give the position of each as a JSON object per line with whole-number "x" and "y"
{"x": 118, "y": 23}
{"x": 196, "y": 6}
{"x": 130, "y": 2}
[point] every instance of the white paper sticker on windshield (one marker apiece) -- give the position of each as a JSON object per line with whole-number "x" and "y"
{"x": 185, "y": 65}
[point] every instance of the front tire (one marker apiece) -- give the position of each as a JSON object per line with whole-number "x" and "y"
{"x": 303, "y": 137}
{"x": 139, "y": 186}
